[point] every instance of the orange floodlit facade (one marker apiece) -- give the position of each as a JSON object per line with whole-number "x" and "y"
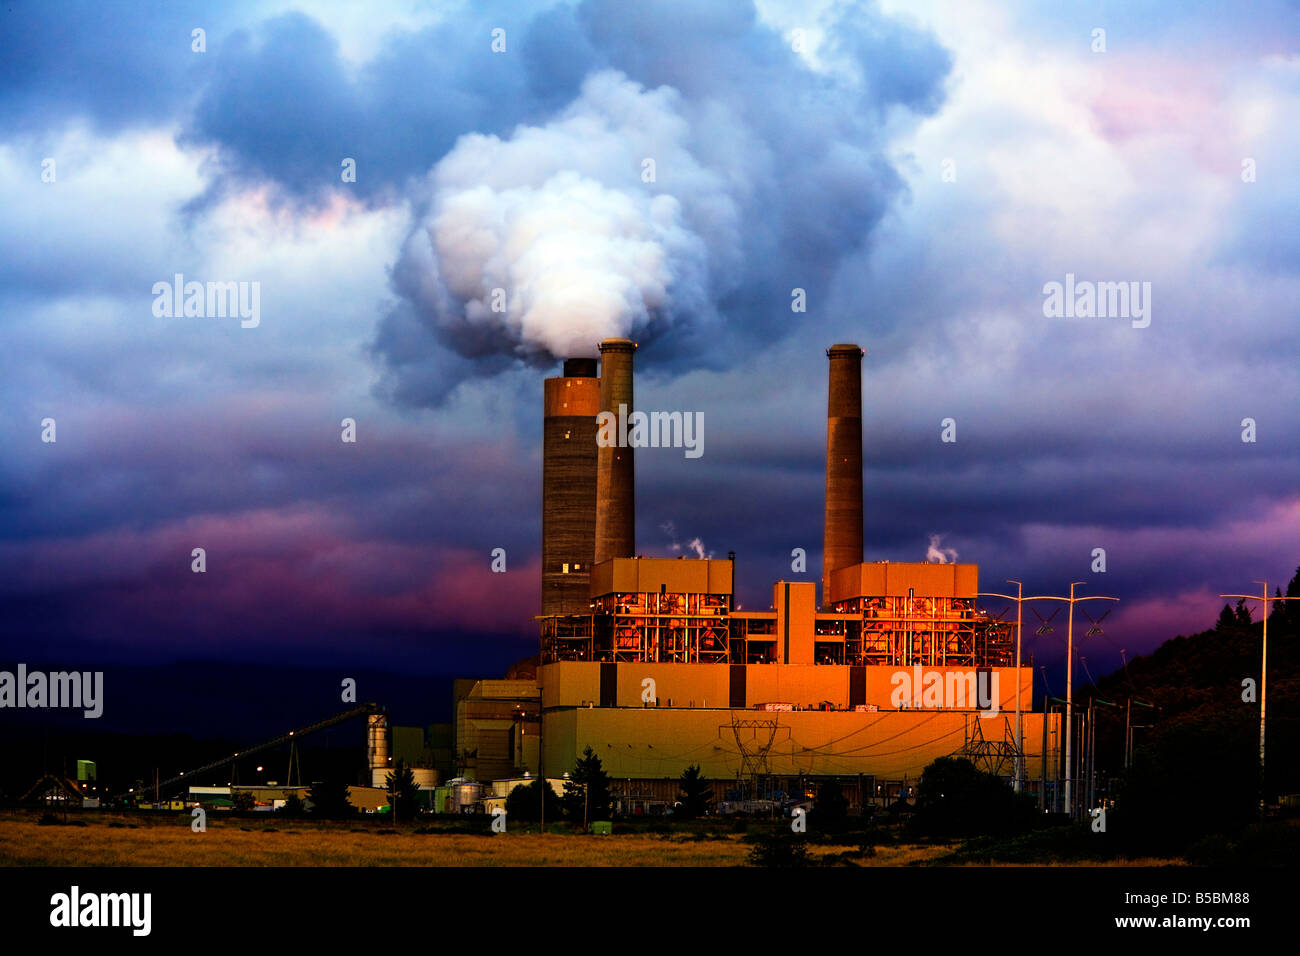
{"x": 892, "y": 666}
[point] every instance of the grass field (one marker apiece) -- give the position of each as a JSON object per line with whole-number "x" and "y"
{"x": 141, "y": 840}
{"x": 96, "y": 840}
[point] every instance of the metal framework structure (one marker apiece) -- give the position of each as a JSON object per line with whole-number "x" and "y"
{"x": 188, "y": 777}
{"x": 568, "y": 638}
{"x": 645, "y": 627}
{"x": 663, "y": 627}
{"x": 658, "y": 627}
{"x": 998, "y": 757}
{"x": 904, "y": 630}
{"x": 753, "y": 747}
{"x": 53, "y": 789}
{"x": 753, "y": 640}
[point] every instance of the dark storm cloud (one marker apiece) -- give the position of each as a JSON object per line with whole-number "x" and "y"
{"x": 1071, "y": 435}
{"x": 799, "y": 154}
{"x": 277, "y": 105}
{"x": 286, "y": 109}
{"x": 115, "y": 65}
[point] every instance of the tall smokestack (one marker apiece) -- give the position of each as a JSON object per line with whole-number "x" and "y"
{"x": 842, "y": 545}
{"x": 569, "y": 412}
{"x": 615, "y": 477}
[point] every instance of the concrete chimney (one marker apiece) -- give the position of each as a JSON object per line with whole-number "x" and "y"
{"x": 842, "y": 544}
{"x": 615, "y": 475}
{"x": 570, "y": 404}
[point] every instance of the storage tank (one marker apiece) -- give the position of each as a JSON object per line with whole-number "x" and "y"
{"x": 466, "y": 795}
{"x": 425, "y": 777}
{"x": 377, "y": 749}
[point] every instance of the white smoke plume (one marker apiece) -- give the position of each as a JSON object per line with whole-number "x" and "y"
{"x": 695, "y": 544}
{"x": 551, "y": 240}
{"x": 670, "y": 529}
{"x": 937, "y": 555}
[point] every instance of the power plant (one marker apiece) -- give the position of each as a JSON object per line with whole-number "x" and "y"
{"x": 649, "y": 661}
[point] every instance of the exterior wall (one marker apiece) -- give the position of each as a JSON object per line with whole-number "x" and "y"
{"x": 410, "y": 746}
{"x": 572, "y": 683}
{"x": 842, "y": 541}
{"x": 577, "y": 683}
{"x": 650, "y": 575}
{"x": 615, "y": 471}
{"x": 487, "y": 727}
{"x": 568, "y": 492}
{"x": 656, "y": 743}
{"x": 796, "y": 611}
{"x": 893, "y": 579}
{"x": 800, "y": 685}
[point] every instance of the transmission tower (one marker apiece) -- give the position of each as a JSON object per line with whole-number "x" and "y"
{"x": 999, "y": 758}
{"x": 753, "y": 747}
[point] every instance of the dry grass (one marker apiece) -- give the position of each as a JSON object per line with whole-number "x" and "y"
{"x": 1143, "y": 861}
{"x": 144, "y": 840}
{"x": 166, "y": 840}
{"x": 233, "y": 842}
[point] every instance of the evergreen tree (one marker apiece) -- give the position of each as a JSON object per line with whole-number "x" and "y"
{"x": 1293, "y": 606}
{"x": 696, "y": 794}
{"x": 586, "y": 792}
{"x": 1243, "y": 613}
{"x": 1227, "y": 620}
{"x": 831, "y": 807}
{"x": 1287, "y": 613}
{"x": 329, "y": 800}
{"x": 403, "y": 792}
{"x": 525, "y": 802}
{"x": 956, "y": 799}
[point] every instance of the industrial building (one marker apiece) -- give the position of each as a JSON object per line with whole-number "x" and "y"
{"x": 649, "y": 662}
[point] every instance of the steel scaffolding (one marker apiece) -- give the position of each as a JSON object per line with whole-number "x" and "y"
{"x": 659, "y": 627}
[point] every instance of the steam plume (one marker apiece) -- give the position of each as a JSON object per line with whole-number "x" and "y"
{"x": 551, "y": 240}
{"x": 937, "y": 555}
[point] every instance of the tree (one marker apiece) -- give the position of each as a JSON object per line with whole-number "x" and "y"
{"x": 403, "y": 792}
{"x": 780, "y": 849}
{"x": 831, "y": 808}
{"x": 1227, "y": 620}
{"x": 1286, "y": 614}
{"x": 957, "y": 799}
{"x": 1159, "y": 807}
{"x": 243, "y": 800}
{"x": 586, "y": 792}
{"x": 525, "y": 802}
{"x": 293, "y": 806}
{"x": 1243, "y": 614}
{"x": 329, "y": 800}
{"x": 1291, "y": 608}
{"x": 696, "y": 794}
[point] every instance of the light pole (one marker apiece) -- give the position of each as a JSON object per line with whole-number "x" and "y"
{"x": 1129, "y": 727}
{"x": 1069, "y": 679}
{"x": 1263, "y": 667}
{"x": 1020, "y": 738}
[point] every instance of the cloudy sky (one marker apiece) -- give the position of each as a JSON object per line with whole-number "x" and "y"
{"x": 920, "y": 170}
